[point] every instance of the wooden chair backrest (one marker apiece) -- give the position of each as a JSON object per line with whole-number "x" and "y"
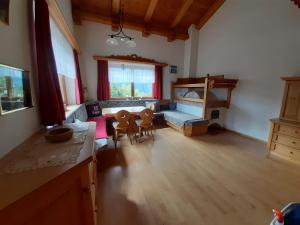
{"x": 132, "y": 124}
{"x": 123, "y": 118}
{"x": 146, "y": 116}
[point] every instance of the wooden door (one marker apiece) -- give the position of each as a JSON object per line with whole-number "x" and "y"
{"x": 291, "y": 103}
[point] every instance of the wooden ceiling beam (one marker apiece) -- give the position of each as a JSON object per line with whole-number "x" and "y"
{"x": 115, "y": 7}
{"x": 184, "y": 8}
{"x": 171, "y": 37}
{"x": 145, "y": 29}
{"x": 150, "y": 10}
{"x": 209, "y": 13}
{"x": 296, "y": 2}
{"x": 146, "y": 33}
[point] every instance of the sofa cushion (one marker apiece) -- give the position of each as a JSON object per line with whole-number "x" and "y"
{"x": 70, "y": 118}
{"x": 100, "y": 126}
{"x": 173, "y": 106}
{"x": 178, "y": 118}
{"x": 81, "y": 113}
{"x": 93, "y": 110}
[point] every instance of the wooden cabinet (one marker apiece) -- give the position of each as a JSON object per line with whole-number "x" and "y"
{"x": 291, "y": 101}
{"x": 53, "y": 195}
{"x": 284, "y": 138}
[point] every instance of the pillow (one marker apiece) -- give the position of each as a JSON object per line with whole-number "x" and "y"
{"x": 81, "y": 113}
{"x": 173, "y": 106}
{"x": 93, "y": 110}
{"x": 152, "y": 105}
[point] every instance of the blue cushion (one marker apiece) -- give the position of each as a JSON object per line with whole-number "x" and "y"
{"x": 173, "y": 106}
{"x": 178, "y": 118}
{"x": 81, "y": 114}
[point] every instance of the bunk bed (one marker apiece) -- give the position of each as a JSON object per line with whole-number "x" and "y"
{"x": 198, "y": 91}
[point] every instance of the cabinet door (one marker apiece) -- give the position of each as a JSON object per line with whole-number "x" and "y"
{"x": 291, "y": 105}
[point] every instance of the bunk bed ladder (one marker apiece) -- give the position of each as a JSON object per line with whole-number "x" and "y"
{"x": 205, "y": 95}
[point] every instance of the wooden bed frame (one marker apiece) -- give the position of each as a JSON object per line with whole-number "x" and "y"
{"x": 207, "y": 83}
{"x": 190, "y": 130}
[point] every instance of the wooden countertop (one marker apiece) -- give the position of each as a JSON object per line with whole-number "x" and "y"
{"x": 16, "y": 186}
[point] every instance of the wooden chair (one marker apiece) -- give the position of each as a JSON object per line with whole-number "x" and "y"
{"x": 146, "y": 122}
{"x": 133, "y": 127}
{"x": 122, "y": 125}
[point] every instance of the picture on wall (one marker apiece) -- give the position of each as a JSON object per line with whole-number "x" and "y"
{"x": 4, "y": 11}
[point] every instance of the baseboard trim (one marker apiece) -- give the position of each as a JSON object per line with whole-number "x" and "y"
{"x": 246, "y": 136}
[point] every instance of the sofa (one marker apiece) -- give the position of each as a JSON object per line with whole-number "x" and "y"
{"x": 187, "y": 119}
{"x": 80, "y": 114}
{"x": 184, "y": 118}
{"x": 103, "y": 124}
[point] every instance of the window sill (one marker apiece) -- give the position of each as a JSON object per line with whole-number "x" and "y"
{"x": 15, "y": 110}
{"x": 70, "y": 109}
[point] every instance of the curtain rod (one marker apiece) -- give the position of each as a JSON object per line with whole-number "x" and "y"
{"x": 130, "y": 58}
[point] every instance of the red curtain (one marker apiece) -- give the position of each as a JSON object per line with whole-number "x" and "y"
{"x": 158, "y": 83}
{"x": 78, "y": 88}
{"x": 103, "y": 81}
{"x": 50, "y": 99}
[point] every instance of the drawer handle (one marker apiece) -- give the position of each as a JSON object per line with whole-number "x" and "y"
{"x": 296, "y": 132}
{"x": 292, "y": 153}
{"x": 294, "y": 142}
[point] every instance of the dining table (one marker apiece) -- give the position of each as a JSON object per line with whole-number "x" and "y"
{"x": 113, "y": 110}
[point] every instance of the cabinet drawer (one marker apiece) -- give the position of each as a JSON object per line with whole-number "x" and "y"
{"x": 288, "y": 130}
{"x": 286, "y": 151}
{"x": 287, "y": 140}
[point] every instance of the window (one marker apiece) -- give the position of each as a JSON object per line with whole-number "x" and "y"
{"x": 65, "y": 64}
{"x": 130, "y": 80}
{"x": 14, "y": 89}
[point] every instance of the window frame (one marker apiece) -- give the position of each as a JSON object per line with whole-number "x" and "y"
{"x": 132, "y": 97}
{"x": 132, "y": 94}
{"x": 28, "y": 91}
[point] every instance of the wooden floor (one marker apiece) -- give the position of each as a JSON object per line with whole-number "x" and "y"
{"x": 224, "y": 179}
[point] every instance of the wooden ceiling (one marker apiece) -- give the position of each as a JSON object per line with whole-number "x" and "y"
{"x": 297, "y": 2}
{"x": 170, "y": 18}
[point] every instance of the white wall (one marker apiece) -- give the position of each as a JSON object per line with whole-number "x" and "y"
{"x": 15, "y": 51}
{"x": 256, "y": 41}
{"x": 191, "y": 52}
{"x": 92, "y": 37}
{"x": 65, "y": 7}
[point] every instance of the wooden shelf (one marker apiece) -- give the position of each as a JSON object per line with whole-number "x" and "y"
{"x": 199, "y": 85}
{"x": 197, "y": 100}
{"x": 222, "y": 85}
{"x": 217, "y": 104}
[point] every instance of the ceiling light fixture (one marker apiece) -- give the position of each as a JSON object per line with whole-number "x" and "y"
{"x": 114, "y": 39}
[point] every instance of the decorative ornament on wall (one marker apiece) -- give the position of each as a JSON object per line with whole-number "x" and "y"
{"x": 120, "y": 36}
{"x": 173, "y": 69}
{"x": 4, "y": 11}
